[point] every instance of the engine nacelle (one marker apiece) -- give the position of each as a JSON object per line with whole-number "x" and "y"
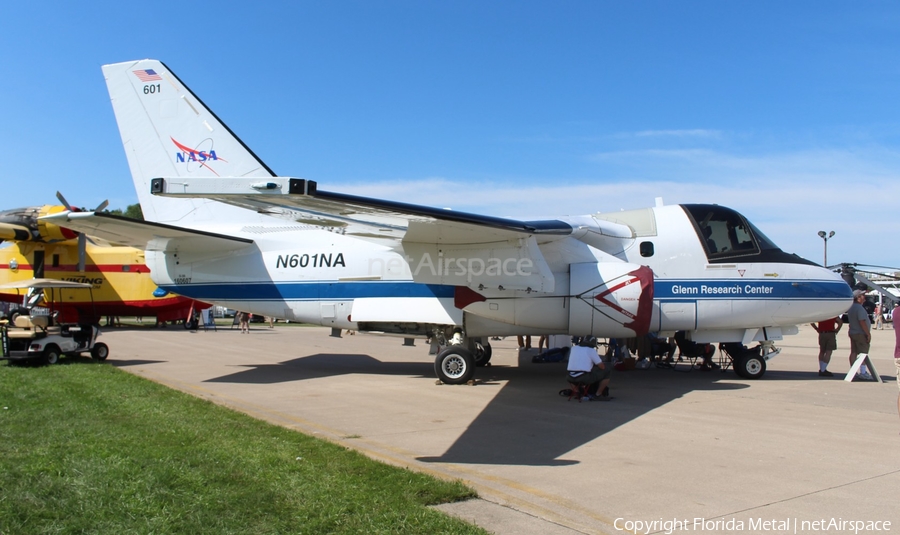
{"x": 610, "y": 299}
{"x": 22, "y": 224}
{"x": 50, "y": 232}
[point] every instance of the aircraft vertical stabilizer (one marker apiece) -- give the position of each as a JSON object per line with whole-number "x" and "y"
{"x": 168, "y": 132}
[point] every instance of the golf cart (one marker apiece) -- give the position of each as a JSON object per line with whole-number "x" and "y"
{"x": 38, "y": 335}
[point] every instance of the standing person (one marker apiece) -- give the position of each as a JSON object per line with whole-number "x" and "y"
{"x": 897, "y": 349}
{"x": 879, "y": 320}
{"x": 524, "y": 341}
{"x": 859, "y": 329}
{"x": 827, "y": 330}
{"x": 244, "y": 319}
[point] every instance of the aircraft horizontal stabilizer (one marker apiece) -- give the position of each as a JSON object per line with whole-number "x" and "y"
{"x": 146, "y": 235}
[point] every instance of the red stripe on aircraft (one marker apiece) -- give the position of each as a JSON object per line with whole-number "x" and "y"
{"x": 102, "y": 268}
{"x": 93, "y": 268}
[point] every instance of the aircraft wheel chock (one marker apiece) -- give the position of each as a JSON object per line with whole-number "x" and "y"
{"x": 454, "y": 365}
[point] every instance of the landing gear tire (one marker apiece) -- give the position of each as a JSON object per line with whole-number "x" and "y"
{"x": 750, "y": 366}
{"x": 100, "y": 351}
{"x": 51, "y": 355}
{"x": 191, "y": 325}
{"x": 482, "y": 354}
{"x": 454, "y": 365}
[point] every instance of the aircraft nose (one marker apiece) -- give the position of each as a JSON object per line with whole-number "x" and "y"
{"x": 834, "y": 276}
{"x": 832, "y": 292}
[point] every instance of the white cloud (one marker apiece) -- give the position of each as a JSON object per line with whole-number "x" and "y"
{"x": 790, "y": 196}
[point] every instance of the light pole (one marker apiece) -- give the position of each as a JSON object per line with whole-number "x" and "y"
{"x": 825, "y": 239}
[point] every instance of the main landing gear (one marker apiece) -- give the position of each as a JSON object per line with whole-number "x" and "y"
{"x": 455, "y": 364}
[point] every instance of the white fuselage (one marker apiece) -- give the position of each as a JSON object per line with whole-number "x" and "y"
{"x": 311, "y": 275}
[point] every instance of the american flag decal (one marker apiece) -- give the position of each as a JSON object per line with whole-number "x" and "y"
{"x": 147, "y": 75}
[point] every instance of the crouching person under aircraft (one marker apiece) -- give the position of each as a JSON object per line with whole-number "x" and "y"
{"x": 586, "y": 368}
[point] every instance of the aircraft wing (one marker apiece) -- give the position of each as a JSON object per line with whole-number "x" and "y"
{"x": 431, "y": 238}
{"x": 301, "y": 201}
{"x": 145, "y": 235}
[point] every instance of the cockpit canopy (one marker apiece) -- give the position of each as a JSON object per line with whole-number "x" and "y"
{"x": 727, "y": 236}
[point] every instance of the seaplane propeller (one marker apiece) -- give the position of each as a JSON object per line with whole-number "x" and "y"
{"x": 82, "y": 239}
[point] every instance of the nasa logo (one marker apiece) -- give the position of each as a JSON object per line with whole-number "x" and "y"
{"x": 192, "y": 156}
{"x": 202, "y": 157}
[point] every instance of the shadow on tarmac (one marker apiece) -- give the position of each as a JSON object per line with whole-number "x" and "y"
{"x": 323, "y": 365}
{"x": 527, "y": 422}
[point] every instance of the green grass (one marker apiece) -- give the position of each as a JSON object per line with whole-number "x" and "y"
{"x": 86, "y": 448}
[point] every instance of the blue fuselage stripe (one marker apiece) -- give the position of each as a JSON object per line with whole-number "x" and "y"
{"x": 664, "y": 290}
{"x": 671, "y": 290}
{"x": 291, "y": 291}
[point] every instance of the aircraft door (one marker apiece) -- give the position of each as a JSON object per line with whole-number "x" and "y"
{"x": 38, "y": 264}
{"x": 610, "y": 299}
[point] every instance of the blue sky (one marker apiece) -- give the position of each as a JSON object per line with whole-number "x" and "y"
{"x": 785, "y": 111}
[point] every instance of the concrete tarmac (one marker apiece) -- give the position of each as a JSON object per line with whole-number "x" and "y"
{"x": 679, "y": 452}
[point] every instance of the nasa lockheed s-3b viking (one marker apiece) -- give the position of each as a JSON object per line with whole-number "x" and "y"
{"x": 224, "y": 228}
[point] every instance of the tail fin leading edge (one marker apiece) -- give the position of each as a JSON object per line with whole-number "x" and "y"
{"x": 168, "y": 132}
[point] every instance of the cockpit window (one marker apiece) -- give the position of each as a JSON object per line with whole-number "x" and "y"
{"x": 725, "y": 233}
{"x": 764, "y": 242}
{"x": 728, "y": 237}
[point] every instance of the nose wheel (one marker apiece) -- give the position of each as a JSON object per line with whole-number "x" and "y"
{"x": 750, "y": 366}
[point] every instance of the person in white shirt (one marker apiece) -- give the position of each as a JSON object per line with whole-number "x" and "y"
{"x": 585, "y": 367}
